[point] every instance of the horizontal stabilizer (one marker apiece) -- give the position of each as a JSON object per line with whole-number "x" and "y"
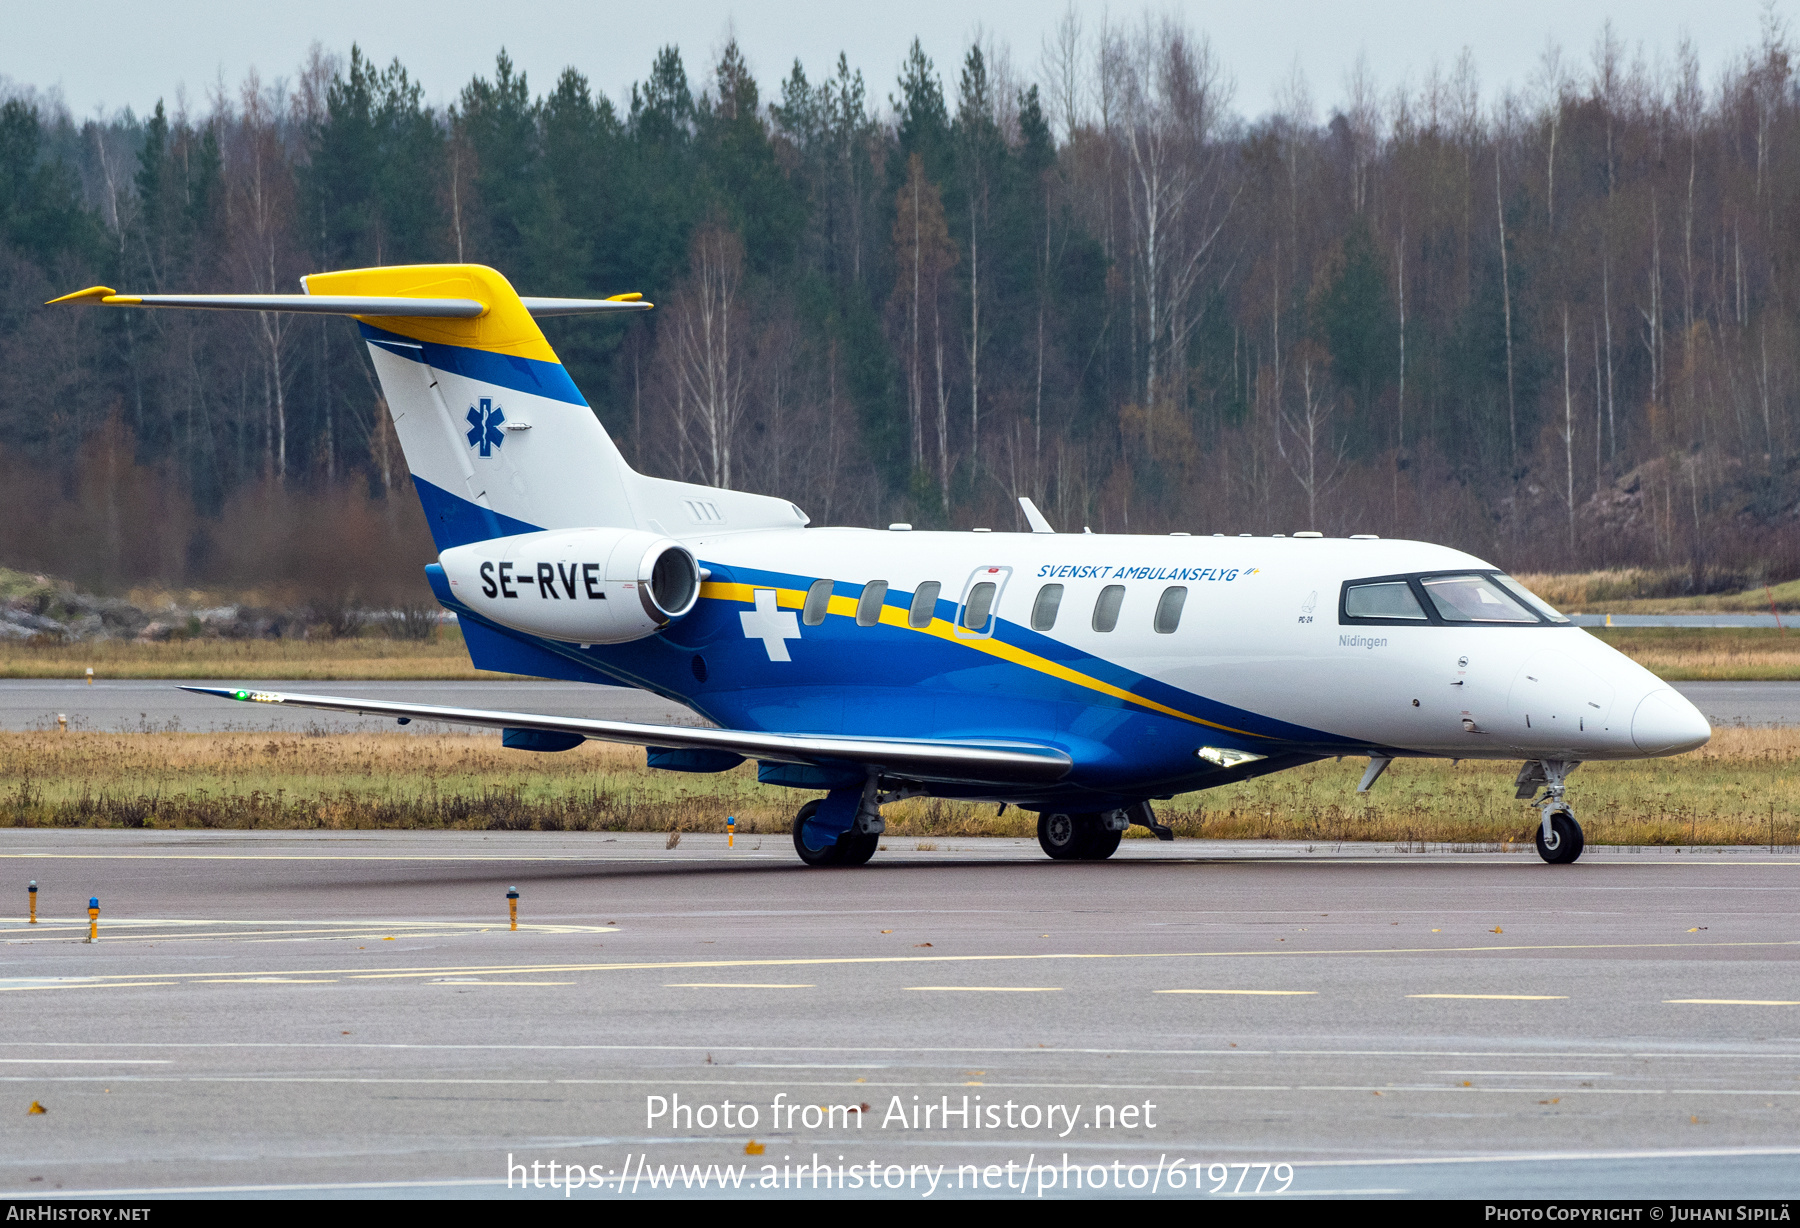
{"x": 366, "y": 306}
{"x": 983, "y": 762}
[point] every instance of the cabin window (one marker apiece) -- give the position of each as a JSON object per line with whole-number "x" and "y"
{"x": 1168, "y": 610}
{"x": 924, "y": 605}
{"x": 818, "y": 600}
{"x": 979, "y": 605}
{"x": 1474, "y": 599}
{"x": 868, "y": 606}
{"x": 1106, "y": 607}
{"x": 1388, "y": 599}
{"x": 1043, "y": 610}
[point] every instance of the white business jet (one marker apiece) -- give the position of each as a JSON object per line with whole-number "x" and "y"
{"x": 1078, "y": 675}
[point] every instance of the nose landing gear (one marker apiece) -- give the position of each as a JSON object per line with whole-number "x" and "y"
{"x": 1559, "y": 836}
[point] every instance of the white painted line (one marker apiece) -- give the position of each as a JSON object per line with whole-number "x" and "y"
{"x": 499, "y": 982}
{"x": 266, "y": 980}
{"x": 1254, "y": 993}
{"x": 87, "y": 1061}
{"x": 150, "y": 1191}
{"x": 90, "y": 985}
{"x": 1542, "y": 1074}
{"x": 1500, "y": 996}
{"x": 1540, "y": 1157}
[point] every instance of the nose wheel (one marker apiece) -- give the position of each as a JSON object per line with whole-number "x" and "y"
{"x": 1559, "y": 837}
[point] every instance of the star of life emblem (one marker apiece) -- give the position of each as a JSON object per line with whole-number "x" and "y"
{"x": 485, "y": 420}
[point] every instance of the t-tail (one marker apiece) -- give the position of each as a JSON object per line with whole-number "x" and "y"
{"x": 497, "y": 437}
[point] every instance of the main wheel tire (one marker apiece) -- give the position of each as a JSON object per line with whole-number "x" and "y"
{"x": 1566, "y": 839}
{"x": 851, "y": 848}
{"x": 1105, "y": 843}
{"x": 1067, "y": 837}
{"x": 855, "y": 848}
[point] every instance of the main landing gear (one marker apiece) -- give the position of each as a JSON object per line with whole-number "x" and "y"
{"x": 1080, "y": 837}
{"x": 1559, "y": 836}
{"x": 850, "y": 847}
{"x": 1093, "y": 836}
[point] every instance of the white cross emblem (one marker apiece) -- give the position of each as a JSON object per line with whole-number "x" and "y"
{"x": 774, "y": 627}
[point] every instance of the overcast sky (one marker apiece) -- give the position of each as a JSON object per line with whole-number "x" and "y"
{"x": 114, "y": 53}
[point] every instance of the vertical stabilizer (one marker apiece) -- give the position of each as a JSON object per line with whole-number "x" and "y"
{"x": 498, "y": 438}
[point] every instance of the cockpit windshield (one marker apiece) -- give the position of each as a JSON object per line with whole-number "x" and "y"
{"x": 1531, "y": 599}
{"x": 1474, "y": 599}
{"x": 1460, "y": 598}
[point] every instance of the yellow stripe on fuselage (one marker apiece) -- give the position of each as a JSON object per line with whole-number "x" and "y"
{"x": 894, "y": 616}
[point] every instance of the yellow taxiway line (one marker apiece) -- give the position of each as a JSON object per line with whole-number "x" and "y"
{"x": 404, "y": 973}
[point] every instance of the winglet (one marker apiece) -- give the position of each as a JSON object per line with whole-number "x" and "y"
{"x": 218, "y": 692}
{"x": 93, "y": 294}
{"x": 1033, "y": 517}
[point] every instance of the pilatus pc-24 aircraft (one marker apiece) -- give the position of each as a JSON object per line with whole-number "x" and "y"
{"x": 1078, "y": 675}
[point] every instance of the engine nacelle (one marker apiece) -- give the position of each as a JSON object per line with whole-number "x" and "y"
{"x": 582, "y": 586}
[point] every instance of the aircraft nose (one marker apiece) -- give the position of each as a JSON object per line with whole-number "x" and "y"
{"x": 1665, "y": 723}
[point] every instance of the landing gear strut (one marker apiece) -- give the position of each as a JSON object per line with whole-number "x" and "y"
{"x": 1559, "y": 836}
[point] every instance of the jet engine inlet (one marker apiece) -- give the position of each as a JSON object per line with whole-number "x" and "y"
{"x": 668, "y": 582}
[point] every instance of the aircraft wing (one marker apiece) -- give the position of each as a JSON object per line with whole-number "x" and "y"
{"x": 953, "y": 760}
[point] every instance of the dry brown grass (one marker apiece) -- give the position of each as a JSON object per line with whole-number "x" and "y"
{"x": 369, "y": 657}
{"x": 1722, "y": 654}
{"x": 1741, "y": 789}
{"x": 1644, "y": 591}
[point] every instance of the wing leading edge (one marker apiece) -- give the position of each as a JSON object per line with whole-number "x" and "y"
{"x": 989, "y": 762}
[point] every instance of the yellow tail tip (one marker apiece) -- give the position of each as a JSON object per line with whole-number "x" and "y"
{"x": 92, "y": 294}
{"x": 35, "y": 1109}
{"x": 633, "y": 297}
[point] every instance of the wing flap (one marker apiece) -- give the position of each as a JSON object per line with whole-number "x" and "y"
{"x": 944, "y": 760}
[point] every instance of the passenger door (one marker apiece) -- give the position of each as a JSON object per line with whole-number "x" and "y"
{"x": 978, "y": 609}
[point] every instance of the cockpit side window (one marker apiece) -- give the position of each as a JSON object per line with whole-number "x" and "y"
{"x": 1383, "y": 599}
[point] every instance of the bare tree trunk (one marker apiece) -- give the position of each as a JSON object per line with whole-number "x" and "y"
{"x": 1612, "y": 423}
{"x": 1400, "y": 282}
{"x": 1599, "y": 413}
{"x": 974, "y": 336}
{"x": 916, "y": 374}
{"x": 943, "y": 411}
{"x": 1568, "y": 433}
{"x": 1512, "y": 414}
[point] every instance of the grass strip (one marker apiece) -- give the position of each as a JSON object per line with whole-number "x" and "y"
{"x": 1740, "y": 789}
